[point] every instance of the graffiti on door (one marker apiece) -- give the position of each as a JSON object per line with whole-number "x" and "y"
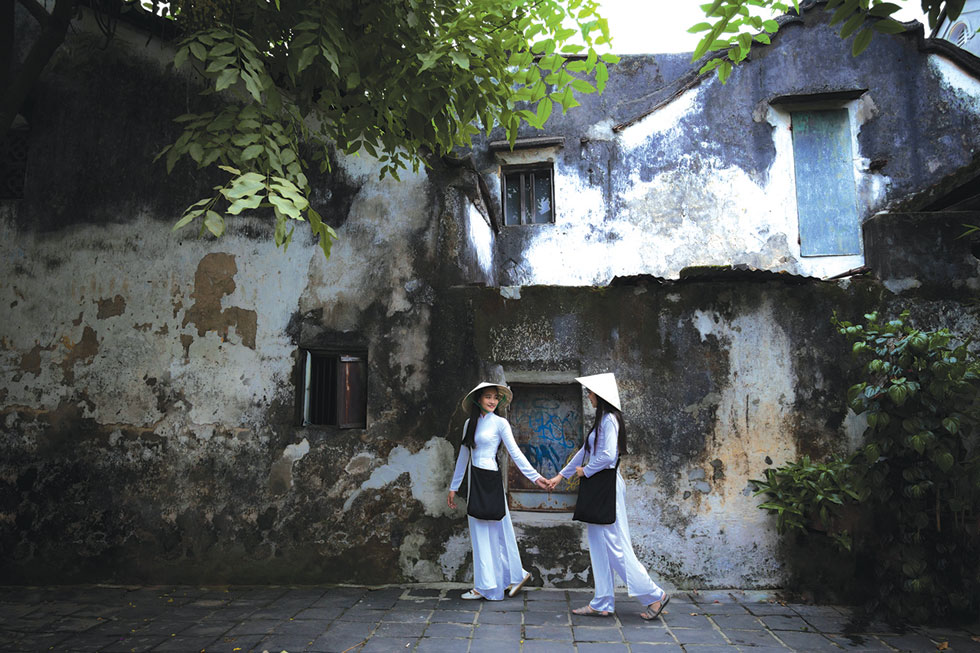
{"x": 547, "y": 422}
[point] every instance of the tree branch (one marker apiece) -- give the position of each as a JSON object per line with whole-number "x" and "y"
{"x": 51, "y": 37}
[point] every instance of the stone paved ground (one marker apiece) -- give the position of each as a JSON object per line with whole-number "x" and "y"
{"x": 429, "y": 620}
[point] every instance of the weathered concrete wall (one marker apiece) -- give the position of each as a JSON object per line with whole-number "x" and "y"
{"x": 148, "y": 380}
{"x": 715, "y": 377}
{"x": 663, "y": 171}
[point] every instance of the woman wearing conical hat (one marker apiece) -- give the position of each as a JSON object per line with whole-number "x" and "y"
{"x": 497, "y": 566}
{"x": 610, "y": 546}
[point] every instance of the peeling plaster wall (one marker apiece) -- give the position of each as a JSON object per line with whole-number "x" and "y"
{"x": 706, "y": 176}
{"x": 148, "y": 380}
{"x": 715, "y": 378}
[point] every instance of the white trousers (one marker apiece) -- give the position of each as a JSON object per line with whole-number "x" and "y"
{"x": 496, "y": 560}
{"x": 611, "y": 550}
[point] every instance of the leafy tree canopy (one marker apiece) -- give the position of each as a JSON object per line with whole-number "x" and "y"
{"x": 732, "y": 26}
{"x": 402, "y": 80}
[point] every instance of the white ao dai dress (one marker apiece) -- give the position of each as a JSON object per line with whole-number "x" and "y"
{"x": 610, "y": 546}
{"x": 496, "y": 560}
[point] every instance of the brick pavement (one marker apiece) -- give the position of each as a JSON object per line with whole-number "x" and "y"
{"x": 431, "y": 620}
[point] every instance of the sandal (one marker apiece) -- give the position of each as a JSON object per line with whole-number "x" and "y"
{"x": 589, "y": 611}
{"x": 650, "y": 614}
{"x": 514, "y": 589}
{"x": 471, "y": 595}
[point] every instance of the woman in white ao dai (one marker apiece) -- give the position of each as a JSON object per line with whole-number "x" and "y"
{"x": 610, "y": 546}
{"x": 497, "y": 563}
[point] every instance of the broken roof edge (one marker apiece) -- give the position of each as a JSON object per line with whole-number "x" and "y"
{"x": 741, "y": 272}
{"x": 965, "y": 61}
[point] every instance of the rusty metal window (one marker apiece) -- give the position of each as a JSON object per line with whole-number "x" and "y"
{"x": 547, "y": 424}
{"x": 335, "y": 388}
{"x": 529, "y": 196}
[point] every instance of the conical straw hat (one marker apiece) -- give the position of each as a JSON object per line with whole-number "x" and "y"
{"x": 504, "y": 390}
{"x": 603, "y": 385}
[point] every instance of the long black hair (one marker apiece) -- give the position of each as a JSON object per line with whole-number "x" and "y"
{"x": 602, "y": 409}
{"x": 469, "y": 439}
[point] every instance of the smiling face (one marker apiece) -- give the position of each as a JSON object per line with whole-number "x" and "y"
{"x": 593, "y": 399}
{"x": 488, "y": 400}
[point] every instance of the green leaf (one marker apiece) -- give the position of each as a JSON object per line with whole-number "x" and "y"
{"x": 248, "y": 184}
{"x": 181, "y": 56}
{"x": 252, "y": 151}
{"x": 285, "y": 207}
{"x": 601, "y": 76}
{"x": 428, "y": 59}
{"x": 744, "y": 43}
{"x": 851, "y": 25}
{"x": 460, "y": 59}
{"x": 700, "y": 27}
{"x": 252, "y": 86}
{"x": 188, "y": 217}
{"x": 214, "y": 223}
{"x": 543, "y": 111}
{"x": 286, "y": 189}
{"x": 945, "y": 461}
{"x": 244, "y": 140}
{"x": 222, "y": 49}
{"x": 724, "y": 71}
{"x": 198, "y": 50}
{"x": 249, "y": 202}
{"x": 884, "y": 9}
{"x": 196, "y": 152}
{"x": 227, "y": 77}
{"x": 861, "y": 41}
{"x": 306, "y": 58}
{"x": 888, "y": 26}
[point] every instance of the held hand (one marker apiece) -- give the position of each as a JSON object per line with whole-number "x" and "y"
{"x": 452, "y": 500}
{"x": 580, "y": 471}
{"x": 555, "y": 480}
{"x": 543, "y": 484}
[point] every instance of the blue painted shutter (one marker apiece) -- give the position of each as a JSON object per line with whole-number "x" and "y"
{"x": 825, "y": 196}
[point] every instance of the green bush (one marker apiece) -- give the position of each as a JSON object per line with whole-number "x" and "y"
{"x": 808, "y": 497}
{"x": 917, "y": 475}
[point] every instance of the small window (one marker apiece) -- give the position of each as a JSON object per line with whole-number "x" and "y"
{"x": 825, "y": 193}
{"x": 528, "y": 195}
{"x": 334, "y": 388}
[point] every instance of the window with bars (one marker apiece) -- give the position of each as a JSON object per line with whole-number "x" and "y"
{"x": 528, "y": 195}
{"x": 334, "y": 390}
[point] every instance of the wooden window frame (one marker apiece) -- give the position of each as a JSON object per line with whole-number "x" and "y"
{"x": 507, "y": 171}
{"x": 343, "y": 394}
